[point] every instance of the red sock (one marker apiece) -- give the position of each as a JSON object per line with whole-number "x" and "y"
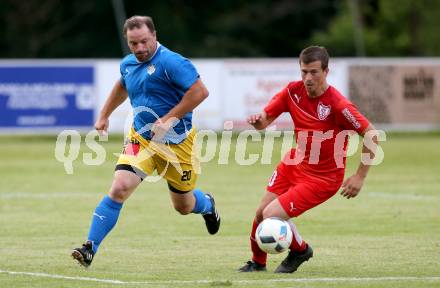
{"x": 298, "y": 244}
{"x": 258, "y": 255}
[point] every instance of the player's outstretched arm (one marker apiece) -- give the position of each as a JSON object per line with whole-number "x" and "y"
{"x": 353, "y": 185}
{"x": 117, "y": 97}
{"x": 260, "y": 120}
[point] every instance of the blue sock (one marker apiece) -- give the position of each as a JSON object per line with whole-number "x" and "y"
{"x": 203, "y": 202}
{"x": 104, "y": 219}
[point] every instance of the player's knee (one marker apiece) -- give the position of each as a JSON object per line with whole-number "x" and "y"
{"x": 183, "y": 208}
{"x": 120, "y": 190}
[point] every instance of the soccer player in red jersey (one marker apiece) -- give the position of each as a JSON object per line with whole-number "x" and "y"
{"x": 314, "y": 171}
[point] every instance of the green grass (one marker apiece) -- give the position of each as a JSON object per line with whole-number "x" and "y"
{"x": 391, "y": 230}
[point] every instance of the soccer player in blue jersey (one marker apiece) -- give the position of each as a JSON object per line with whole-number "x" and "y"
{"x": 163, "y": 88}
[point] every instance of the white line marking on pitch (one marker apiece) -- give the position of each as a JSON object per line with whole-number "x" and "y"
{"x": 54, "y": 276}
{"x": 286, "y": 280}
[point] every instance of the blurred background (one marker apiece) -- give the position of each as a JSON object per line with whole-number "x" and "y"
{"x": 59, "y": 59}
{"x": 260, "y": 28}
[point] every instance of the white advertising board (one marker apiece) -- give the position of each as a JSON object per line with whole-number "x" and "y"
{"x": 250, "y": 84}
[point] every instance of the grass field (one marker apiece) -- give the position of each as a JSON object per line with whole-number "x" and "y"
{"x": 389, "y": 236}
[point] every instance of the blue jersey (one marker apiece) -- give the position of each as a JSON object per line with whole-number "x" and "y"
{"x": 155, "y": 87}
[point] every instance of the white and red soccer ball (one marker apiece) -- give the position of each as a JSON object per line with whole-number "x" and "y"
{"x": 273, "y": 235}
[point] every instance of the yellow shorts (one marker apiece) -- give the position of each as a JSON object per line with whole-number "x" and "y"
{"x": 174, "y": 162}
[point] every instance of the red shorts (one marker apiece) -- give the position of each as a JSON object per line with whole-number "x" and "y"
{"x": 298, "y": 192}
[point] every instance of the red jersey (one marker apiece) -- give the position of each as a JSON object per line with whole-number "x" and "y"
{"x": 322, "y": 126}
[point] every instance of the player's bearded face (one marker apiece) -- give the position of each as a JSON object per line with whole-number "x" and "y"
{"x": 314, "y": 78}
{"x": 142, "y": 43}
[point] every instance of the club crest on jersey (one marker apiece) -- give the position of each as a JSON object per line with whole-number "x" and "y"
{"x": 150, "y": 69}
{"x": 323, "y": 111}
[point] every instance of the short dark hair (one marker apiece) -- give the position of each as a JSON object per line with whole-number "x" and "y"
{"x": 314, "y": 53}
{"x": 137, "y": 22}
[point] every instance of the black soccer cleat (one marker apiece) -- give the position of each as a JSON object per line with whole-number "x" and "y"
{"x": 212, "y": 220}
{"x": 252, "y": 266}
{"x": 84, "y": 255}
{"x": 294, "y": 260}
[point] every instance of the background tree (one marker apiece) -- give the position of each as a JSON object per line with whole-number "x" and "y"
{"x": 227, "y": 28}
{"x": 390, "y": 28}
{"x": 222, "y": 28}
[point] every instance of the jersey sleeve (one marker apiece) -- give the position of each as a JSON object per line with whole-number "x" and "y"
{"x": 349, "y": 117}
{"x": 278, "y": 104}
{"x": 181, "y": 72}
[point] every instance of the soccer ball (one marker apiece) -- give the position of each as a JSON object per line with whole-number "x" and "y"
{"x": 273, "y": 235}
